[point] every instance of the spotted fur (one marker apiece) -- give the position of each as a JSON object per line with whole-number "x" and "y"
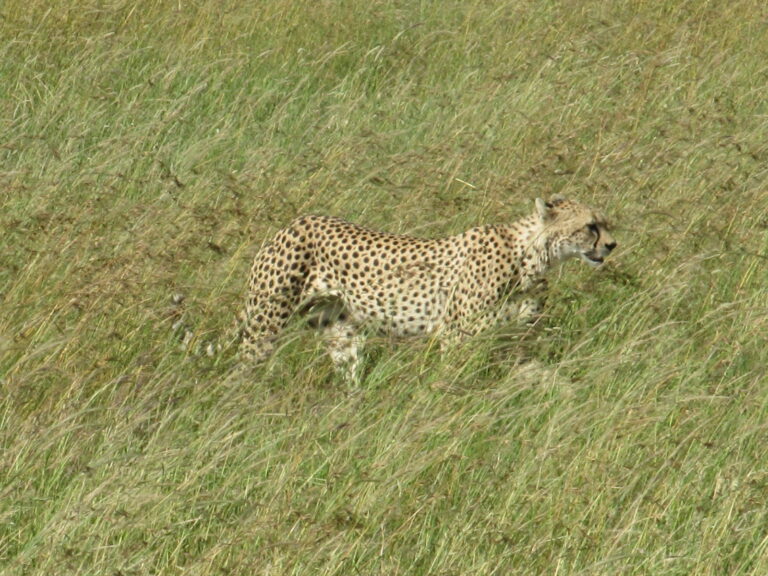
{"x": 353, "y": 278}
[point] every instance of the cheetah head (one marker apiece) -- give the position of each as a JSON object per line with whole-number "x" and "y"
{"x": 574, "y": 230}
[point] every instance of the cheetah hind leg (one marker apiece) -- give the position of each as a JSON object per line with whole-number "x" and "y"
{"x": 343, "y": 342}
{"x": 342, "y": 337}
{"x": 264, "y": 319}
{"x": 256, "y": 346}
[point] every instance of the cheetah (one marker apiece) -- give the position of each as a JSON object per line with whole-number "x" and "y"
{"x": 354, "y": 279}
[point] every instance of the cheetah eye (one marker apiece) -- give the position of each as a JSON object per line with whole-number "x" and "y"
{"x": 593, "y": 228}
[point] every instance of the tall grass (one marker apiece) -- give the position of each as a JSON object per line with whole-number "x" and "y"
{"x": 148, "y": 148}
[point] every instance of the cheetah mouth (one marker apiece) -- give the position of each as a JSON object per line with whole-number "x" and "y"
{"x": 592, "y": 260}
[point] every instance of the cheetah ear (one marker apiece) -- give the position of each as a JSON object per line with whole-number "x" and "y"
{"x": 544, "y": 209}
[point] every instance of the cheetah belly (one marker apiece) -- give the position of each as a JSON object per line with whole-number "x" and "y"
{"x": 403, "y": 309}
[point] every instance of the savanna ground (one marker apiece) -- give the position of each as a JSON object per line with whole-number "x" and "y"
{"x": 147, "y": 148}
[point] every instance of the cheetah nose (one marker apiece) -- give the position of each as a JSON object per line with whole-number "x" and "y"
{"x": 611, "y": 246}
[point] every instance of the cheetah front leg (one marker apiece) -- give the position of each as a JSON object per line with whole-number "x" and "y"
{"x": 532, "y": 302}
{"x": 471, "y": 314}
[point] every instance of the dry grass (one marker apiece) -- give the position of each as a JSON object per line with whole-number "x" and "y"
{"x": 147, "y": 148}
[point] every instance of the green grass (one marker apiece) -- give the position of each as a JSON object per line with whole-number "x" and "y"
{"x": 148, "y": 148}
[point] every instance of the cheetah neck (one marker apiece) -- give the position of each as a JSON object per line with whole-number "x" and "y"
{"x": 529, "y": 234}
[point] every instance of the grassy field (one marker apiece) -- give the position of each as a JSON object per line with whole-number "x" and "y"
{"x": 148, "y": 148}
